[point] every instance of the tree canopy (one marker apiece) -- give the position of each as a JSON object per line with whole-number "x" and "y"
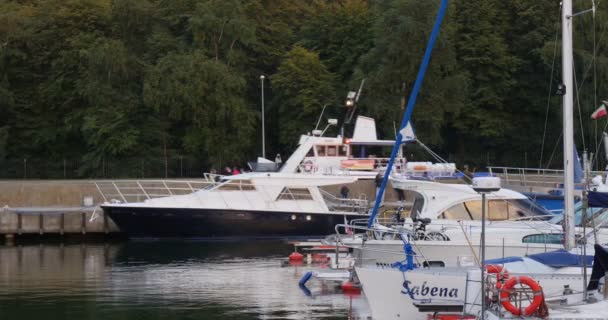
{"x": 100, "y": 81}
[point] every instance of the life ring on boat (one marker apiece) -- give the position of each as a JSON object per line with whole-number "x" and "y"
{"x": 308, "y": 166}
{"x": 506, "y": 290}
{"x": 501, "y": 273}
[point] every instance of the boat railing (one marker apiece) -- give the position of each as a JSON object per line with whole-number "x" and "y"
{"x": 434, "y": 231}
{"x": 533, "y": 177}
{"x": 139, "y": 190}
{"x": 351, "y": 231}
{"x": 381, "y": 163}
{"x": 356, "y": 165}
{"x": 344, "y": 204}
{"x": 213, "y": 177}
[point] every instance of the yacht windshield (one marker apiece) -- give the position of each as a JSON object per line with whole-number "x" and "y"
{"x": 498, "y": 209}
{"x": 599, "y": 215}
{"x": 417, "y": 206}
{"x": 529, "y": 208}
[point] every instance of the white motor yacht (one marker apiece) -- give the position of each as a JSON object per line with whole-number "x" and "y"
{"x": 302, "y": 198}
{"x": 444, "y": 225}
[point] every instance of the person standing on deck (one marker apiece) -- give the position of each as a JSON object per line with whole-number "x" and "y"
{"x": 378, "y": 181}
{"x": 344, "y": 192}
{"x": 278, "y": 160}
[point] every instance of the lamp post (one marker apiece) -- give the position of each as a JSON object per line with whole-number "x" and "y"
{"x": 484, "y": 185}
{"x": 262, "y": 77}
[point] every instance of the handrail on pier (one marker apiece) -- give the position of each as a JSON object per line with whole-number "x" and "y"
{"x": 533, "y": 177}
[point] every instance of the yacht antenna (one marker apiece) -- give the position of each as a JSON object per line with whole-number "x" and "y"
{"x": 360, "y": 89}
{"x": 320, "y": 117}
{"x": 351, "y": 102}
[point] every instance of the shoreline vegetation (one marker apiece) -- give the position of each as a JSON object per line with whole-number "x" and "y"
{"x": 142, "y": 84}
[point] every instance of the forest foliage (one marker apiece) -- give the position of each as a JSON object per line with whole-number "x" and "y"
{"x": 94, "y": 80}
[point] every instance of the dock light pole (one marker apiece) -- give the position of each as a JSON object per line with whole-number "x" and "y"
{"x": 484, "y": 185}
{"x": 262, "y": 77}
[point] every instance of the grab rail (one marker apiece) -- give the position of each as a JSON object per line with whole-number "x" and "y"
{"x": 344, "y": 204}
{"x": 538, "y": 177}
{"x": 139, "y": 190}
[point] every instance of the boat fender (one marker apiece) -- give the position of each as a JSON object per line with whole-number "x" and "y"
{"x": 506, "y": 290}
{"x": 296, "y": 256}
{"x": 350, "y": 287}
{"x": 305, "y": 278}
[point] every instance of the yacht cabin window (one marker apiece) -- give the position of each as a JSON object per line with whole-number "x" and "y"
{"x": 548, "y": 238}
{"x": 320, "y": 151}
{"x": 294, "y": 194}
{"x": 237, "y": 185}
{"x": 498, "y": 210}
{"x": 457, "y": 212}
{"x": 417, "y": 206}
{"x": 331, "y": 151}
{"x": 311, "y": 153}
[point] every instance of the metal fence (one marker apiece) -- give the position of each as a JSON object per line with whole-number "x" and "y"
{"x": 44, "y": 168}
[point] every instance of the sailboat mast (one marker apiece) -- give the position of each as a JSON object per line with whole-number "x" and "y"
{"x": 568, "y": 106}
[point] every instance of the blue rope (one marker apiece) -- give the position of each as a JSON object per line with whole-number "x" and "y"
{"x": 410, "y": 107}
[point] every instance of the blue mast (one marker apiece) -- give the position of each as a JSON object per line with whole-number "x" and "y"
{"x": 410, "y": 107}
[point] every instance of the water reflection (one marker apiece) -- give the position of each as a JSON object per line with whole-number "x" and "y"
{"x": 162, "y": 280}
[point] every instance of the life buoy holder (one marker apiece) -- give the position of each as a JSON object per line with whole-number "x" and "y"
{"x": 501, "y": 273}
{"x": 506, "y": 290}
{"x": 308, "y": 166}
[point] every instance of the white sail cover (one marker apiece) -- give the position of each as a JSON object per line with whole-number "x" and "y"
{"x": 408, "y": 133}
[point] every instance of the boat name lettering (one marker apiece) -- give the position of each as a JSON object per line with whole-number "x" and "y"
{"x": 428, "y": 291}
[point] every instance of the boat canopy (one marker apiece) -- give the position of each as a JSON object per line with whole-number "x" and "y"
{"x": 561, "y": 258}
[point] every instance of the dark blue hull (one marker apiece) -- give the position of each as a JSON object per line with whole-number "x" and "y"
{"x": 212, "y": 223}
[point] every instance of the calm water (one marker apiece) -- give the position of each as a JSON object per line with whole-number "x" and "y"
{"x": 163, "y": 280}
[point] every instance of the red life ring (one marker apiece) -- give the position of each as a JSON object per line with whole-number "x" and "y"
{"x": 501, "y": 273}
{"x": 505, "y": 297}
{"x": 308, "y": 166}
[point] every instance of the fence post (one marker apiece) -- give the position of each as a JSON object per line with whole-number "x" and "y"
{"x": 181, "y": 166}
{"x": 24, "y": 168}
{"x": 64, "y": 170}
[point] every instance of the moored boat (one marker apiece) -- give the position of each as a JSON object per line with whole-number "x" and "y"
{"x": 326, "y": 181}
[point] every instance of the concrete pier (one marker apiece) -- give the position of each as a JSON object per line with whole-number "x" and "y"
{"x": 15, "y": 222}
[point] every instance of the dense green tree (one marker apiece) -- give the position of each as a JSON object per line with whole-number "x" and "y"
{"x": 220, "y": 27}
{"x": 302, "y": 85}
{"x": 340, "y": 32}
{"x": 110, "y": 87}
{"x": 484, "y": 54}
{"x": 401, "y": 33}
{"x": 205, "y": 97}
{"x": 96, "y": 80}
